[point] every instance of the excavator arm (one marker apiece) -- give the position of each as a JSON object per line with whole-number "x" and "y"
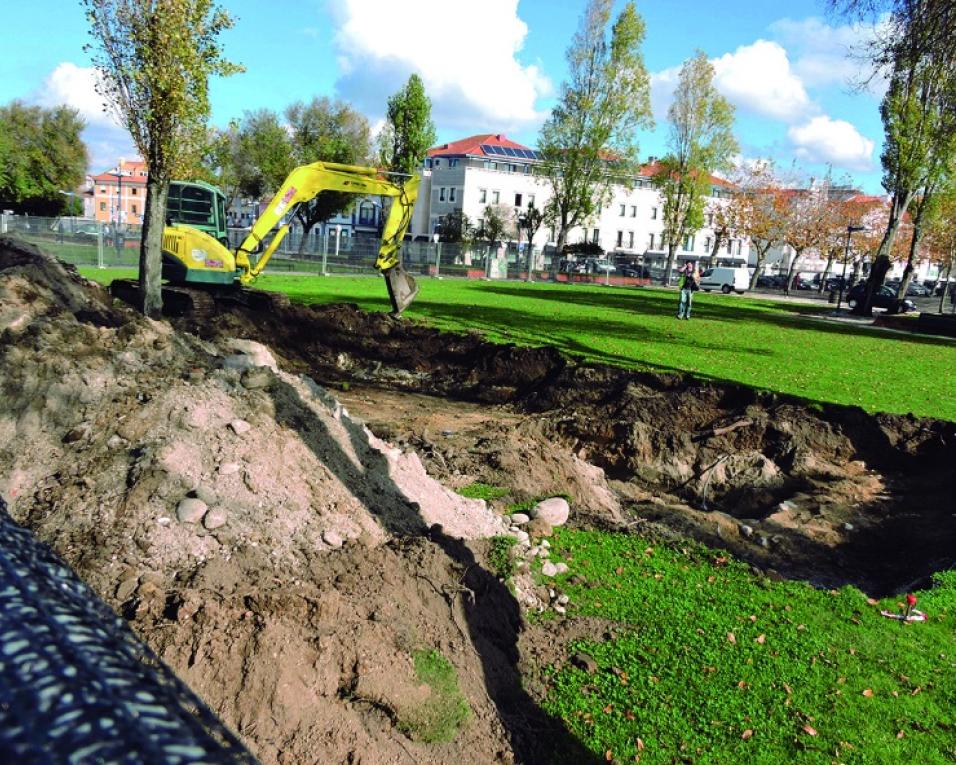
{"x": 305, "y": 183}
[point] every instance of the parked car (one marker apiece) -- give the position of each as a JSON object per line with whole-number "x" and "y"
{"x": 87, "y": 233}
{"x": 571, "y": 267}
{"x": 917, "y": 290}
{"x": 772, "y": 281}
{"x": 598, "y": 266}
{"x": 725, "y": 279}
{"x": 641, "y": 272}
{"x": 885, "y": 297}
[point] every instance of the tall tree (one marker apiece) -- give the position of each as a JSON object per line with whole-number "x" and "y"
{"x": 326, "y": 131}
{"x": 721, "y": 216}
{"x": 700, "y": 142}
{"x": 496, "y": 222}
{"x": 759, "y": 211}
{"x": 409, "y": 131}
{"x": 805, "y": 221}
{"x": 588, "y": 143}
{"x": 155, "y": 59}
{"x": 264, "y": 153}
{"x": 41, "y": 154}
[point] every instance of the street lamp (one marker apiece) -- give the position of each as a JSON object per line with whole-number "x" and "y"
{"x": 118, "y": 174}
{"x": 846, "y": 257}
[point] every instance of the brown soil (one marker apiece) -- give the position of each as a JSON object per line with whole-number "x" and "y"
{"x": 341, "y": 549}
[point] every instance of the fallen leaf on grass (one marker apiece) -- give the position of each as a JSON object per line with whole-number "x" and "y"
{"x": 608, "y": 709}
{"x": 609, "y": 755}
{"x": 872, "y": 602}
{"x": 629, "y": 715}
{"x": 900, "y": 734}
{"x": 752, "y": 617}
{"x": 868, "y": 692}
{"x": 788, "y": 689}
{"x": 810, "y": 730}
{"x": 742, "y": 684}
{"x": 640, "y": 745}
{"x": 619, "y": 570}
{"x": 746, "y": 734}
{"x": 731, "y": 638}
{"x": 761, "y": 639}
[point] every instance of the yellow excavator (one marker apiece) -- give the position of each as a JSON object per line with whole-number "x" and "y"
{"x": 201, "y": 268}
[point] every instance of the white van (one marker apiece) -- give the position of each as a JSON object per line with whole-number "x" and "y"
{"x": 726, "y": 279}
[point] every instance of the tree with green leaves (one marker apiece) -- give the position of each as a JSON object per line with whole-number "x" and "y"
{"x": 701, "y": 142}
{"x": 155, "y": 60}
{"x": 496, "y": 223}
{"x": 326, "y": 131}
{"x": 264, "y": 153}
{"x": 588, "y": 143}
{"x": 41, "y": 154}
{"x": 455, "y": 227}
{"x": 409, "y": 132}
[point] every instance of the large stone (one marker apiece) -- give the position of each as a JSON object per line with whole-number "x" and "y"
{"x": 554, "y": 510}
{"x": 215, "y": 518}
{"x": 519, "y": 519}
{"x": 240, "y": 426}
{"x": 332, "y": 538}
{"x": 549, "y": 569}
{"x": 585, "y": 661}
{"x": 191, "y": 510}
{"x": 539, "y": 527}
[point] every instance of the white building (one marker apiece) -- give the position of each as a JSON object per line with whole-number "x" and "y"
{"x": 489, "y": 169}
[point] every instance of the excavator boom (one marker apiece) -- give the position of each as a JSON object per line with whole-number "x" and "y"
{"x": 305, "y": 183}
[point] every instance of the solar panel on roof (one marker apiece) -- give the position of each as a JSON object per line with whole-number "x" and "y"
{"x": 510, "y": 152}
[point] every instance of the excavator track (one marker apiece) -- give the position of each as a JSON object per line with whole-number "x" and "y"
{"x": 200, "y": 304}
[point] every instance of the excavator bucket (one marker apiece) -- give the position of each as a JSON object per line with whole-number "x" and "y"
{"x": 402, "y": 288}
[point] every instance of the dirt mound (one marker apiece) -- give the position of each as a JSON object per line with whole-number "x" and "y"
{"x": 259, "y": 538}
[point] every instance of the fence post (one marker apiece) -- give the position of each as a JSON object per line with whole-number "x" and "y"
{"x": 437, "y": 258}
{"x": 325, "y": 250}
{"x": 99, "y": 246}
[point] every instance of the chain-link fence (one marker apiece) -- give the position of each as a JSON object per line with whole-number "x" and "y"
{"x": 87, "y": 242}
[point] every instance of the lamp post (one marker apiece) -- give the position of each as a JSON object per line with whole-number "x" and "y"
{"x": 118, "y": 174}
{"x": 846, "y": 257}
{"x": 436, "y": 238}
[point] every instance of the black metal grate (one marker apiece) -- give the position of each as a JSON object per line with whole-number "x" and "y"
{"x": 77, "y": 686}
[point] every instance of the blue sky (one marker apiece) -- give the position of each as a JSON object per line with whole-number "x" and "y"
{"x": 496, "y": 66}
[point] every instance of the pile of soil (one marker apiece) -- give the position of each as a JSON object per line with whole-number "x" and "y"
{"x": 288, "y": 551}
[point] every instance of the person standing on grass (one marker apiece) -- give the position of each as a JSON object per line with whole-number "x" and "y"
{"x": 688, "y": 283}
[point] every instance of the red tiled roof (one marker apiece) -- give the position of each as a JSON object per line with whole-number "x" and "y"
{"x": 655, "y": 167}
{"x": 472, "y": 145}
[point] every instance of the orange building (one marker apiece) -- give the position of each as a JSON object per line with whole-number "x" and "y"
{"x": 119, "y": 195}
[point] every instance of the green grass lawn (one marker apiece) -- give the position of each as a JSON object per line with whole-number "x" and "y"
{"x": 764, "y": 343}
{"x": 712, "y": 664}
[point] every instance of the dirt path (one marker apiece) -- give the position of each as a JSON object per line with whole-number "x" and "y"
{"x": 288, "y": 561}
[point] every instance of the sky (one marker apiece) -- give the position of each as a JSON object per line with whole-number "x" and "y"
{"x": 792, "y": 71}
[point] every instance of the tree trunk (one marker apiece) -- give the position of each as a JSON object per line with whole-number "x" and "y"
{"x": 151, "y": 248}
{"x": 908, "y": 271}
{"x": 826, "y": 273}
{"x": 792, "y": 273}
{"x": 671, "y": 256}
{"x": 307, "y": 227}
{"x": 881, "y": 264}
{"x": 942, "y": 297}
{"x": 713, "y": 253}
{"x": 761, "y": 257}
{"x": 559, "y": 249}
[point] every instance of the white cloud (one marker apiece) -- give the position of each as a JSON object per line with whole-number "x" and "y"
{"x": 74, "y": 86}
{"x": 827, "y": 55}
{"x": 758, "y": 77}
{"x": 835, "y": 142}
{"x": 473, "y": 78}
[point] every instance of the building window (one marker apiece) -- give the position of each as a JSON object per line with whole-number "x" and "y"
{"x": 633, "y": 211}
{"x": 102, "y": 206}
{"x": 730, "y": 247}
{"x": 134, "y": 191}
{"x": 441, "y": 194}
{"x": 630, "y": 240}
{"x": 452, "y": 163}
{"x": 688, "y": 243}
{"x": 707, "y": 244}
{"x": 517, "y": 200}
{"x": 135, "y": 211}
{"x": 530, "y": 200}
{"x": 437, "y": 162}
{"x": 482, "y": 195}
{"x": 653, "y": 213}
{"x": 451, "y": 194}
{"x": 710, "y": 220}
{"x": 623, "y": 210}
{"x": 650, "y": 242}
{"x": 596, "y": 236}
{"x": 495, "y": 197}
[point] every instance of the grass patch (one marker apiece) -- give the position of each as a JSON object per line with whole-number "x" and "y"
{"x": 763, "y": 343}
{"x": 439, "y": 718}
{"x": 499, "y": 556}
{"x": 482, "y": 491}
{"x": 714, "y": 664}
